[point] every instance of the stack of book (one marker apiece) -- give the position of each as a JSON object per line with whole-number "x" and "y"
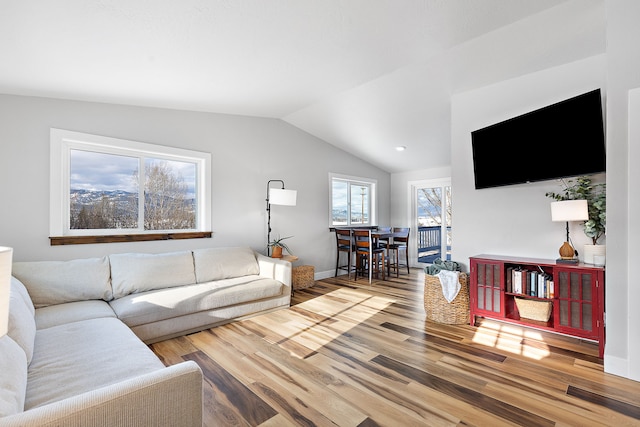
{"x": 535, "y": 283}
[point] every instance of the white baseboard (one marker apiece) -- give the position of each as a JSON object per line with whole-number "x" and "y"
{"x": 319, "y": 275}
{"x": 616, "y": 366}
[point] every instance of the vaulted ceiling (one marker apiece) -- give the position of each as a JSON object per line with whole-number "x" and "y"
{"x": 364, "y": 75}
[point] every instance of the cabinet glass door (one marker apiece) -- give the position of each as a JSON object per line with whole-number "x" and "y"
{"x": 576, "y": 300}
{"x": 488, "y": 287}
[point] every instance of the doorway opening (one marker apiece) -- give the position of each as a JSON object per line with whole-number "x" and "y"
{"x": 431, "y": 218}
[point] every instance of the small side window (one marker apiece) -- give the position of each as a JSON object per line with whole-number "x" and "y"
{"x": 352, "y": 201}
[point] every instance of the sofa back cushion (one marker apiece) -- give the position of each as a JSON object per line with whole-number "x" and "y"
{"x": 13, "y": 377}
{"x": 58, "y": 282}
{"x": 137, "y": 272}
{"x": 224, "y": 263}
{"x": 22, "y": 323}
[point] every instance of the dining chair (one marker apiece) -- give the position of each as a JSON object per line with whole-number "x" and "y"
{"x": 344, "y": 244}
{"x": 368, "y": 256}
{"x": 398, "y": 244}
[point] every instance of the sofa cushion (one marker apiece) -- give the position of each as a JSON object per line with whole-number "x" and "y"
{"x": 137, "y": 272}
{"x": 19, "y": 288}
{"x": 57, "y": 282}
{"x": 13, "y": 377}
{"x": 60, "y": 314}
{"x": 224, "y": 263}
{"x": 82, "y": 356}
{"x": 22, "y": 323}
{"x": 170, "y": 303}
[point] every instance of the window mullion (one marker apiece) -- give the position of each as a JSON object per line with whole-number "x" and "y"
{"x": 141, "y": 192}
{"x": 349, "y": 203}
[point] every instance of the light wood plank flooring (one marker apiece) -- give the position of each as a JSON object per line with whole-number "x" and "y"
{"x": 350, "y": 354}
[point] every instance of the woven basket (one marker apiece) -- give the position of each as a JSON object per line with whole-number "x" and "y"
{"x": 534, "y": 310}
{"x": 302, "y": 276}
{"x": 438, "y": 309}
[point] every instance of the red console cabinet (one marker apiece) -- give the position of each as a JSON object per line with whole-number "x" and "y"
{"x": 575, "y": 292}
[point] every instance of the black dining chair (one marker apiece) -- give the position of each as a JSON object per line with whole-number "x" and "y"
{"x": 344, "y": 244}
{"x": 383, "y": 242}
{"x": 399, "y": 244}
{"x": 369, "y": 257}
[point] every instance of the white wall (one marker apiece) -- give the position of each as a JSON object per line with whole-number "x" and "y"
{"x": 246, "y": 153}
{"x": 512, "y": 220}
{"x": 401, "y": 196}
{"x": 622, "y": 352}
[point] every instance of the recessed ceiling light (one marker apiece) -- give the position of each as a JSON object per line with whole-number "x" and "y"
{"x": 401, "y": 148}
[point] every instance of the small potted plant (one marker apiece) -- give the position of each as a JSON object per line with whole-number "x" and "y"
{"x": 277, "y": 245}
{"x": 596, "y": 197}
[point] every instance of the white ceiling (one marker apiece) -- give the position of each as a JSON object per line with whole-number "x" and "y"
{"x": 364, "y": 75}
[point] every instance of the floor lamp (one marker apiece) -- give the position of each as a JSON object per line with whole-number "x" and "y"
{"x": 565, "y": 211}
{"x": 277, "y": 196}
{"x": 6, "y": 255}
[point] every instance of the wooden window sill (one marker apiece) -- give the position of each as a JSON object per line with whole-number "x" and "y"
{"x": 123, "y": 238}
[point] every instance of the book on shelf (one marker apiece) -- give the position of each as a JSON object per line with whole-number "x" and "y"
{"x": 542, "y": 285}
{"x": 533, "y": 289}
{"x": 517, "y": 281}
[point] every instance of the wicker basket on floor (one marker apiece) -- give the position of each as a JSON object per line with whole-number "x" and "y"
{"x": 303, "y": 276}
{"x": 438, "y": 309}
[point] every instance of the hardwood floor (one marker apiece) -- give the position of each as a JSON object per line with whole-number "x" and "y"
{"x": 350, "y": 354}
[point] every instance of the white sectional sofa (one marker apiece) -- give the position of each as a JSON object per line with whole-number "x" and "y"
{"x": 76, "y": 352}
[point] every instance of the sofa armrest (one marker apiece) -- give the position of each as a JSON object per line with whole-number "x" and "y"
{"x": 168, "y": 397}
{"x": 274, "y": 268}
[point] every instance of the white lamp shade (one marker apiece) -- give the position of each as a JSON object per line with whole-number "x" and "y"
{"x": 6, "y": 256}
{"x": 569, "y": 210}
{"x": 284, "y": 197}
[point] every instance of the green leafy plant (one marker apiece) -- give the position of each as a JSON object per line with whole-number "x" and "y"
{"x": 596, "y": 196}
{"x": 278, "y": 242}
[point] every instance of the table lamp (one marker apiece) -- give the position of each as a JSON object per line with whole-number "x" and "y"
{"x": 569, "y": 210}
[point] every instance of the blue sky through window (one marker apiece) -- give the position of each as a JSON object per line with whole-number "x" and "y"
{"x": 111, "y": 172}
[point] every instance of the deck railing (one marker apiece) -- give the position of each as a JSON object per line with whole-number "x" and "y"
{"x": 430, "y": 243}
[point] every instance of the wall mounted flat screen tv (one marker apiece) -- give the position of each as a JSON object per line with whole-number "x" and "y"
{"x": 561, "y": 140}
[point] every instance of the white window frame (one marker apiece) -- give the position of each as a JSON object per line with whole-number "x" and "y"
{"x": 373, "y": 199}
{"x": 63, "y": 141}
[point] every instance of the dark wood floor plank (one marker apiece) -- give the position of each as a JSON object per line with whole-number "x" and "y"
{"x": 607, "y": 402}
{"x": 253, "y": 409}
{"x": 352, "y": 354}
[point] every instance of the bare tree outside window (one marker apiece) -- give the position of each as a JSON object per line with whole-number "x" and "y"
{"x": 430, "y": 203}
{"x": 166, "y": 202}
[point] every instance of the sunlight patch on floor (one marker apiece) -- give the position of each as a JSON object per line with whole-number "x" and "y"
{"x": 356, "y": 309}
{"x": 512, "y": 339}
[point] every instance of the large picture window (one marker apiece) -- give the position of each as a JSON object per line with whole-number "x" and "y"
{"x": 352, "y": 201}
{"x": 106, "y": 186}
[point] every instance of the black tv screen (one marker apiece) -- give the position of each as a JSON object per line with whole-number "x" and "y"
{"x": 561, "y": 140}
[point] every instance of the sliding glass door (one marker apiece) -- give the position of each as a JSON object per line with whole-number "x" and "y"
{"x": 431, "y": 219}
